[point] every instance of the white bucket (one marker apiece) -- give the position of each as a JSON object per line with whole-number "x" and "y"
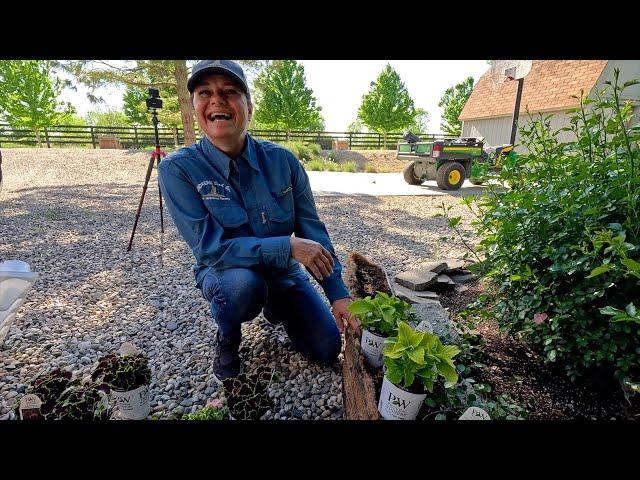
{"x": 398, "y": 404}
{"x": 15, "y": 281}
{"x": 372, "y": 346}
{"x": 134, "y": 404}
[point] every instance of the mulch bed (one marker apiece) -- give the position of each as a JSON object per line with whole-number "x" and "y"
{"x": 513, "y": 368}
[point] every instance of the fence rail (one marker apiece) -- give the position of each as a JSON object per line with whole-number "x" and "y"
{"x": 144, "y": 137}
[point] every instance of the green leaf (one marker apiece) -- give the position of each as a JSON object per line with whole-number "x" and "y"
{"x": 599, "y": 270}
{"x": 361, "y": 307}
{"x": 417, "y": 355}
{"x": 631, "y": 264}
{"x": 454, "y": 221}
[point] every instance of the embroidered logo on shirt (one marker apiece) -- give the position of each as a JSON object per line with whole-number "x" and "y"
{"x": 213, "y": 190}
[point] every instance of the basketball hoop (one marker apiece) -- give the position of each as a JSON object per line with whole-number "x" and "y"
{"x": 502, "y": 70}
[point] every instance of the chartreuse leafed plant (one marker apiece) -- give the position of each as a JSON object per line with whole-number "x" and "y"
{"x": 419, "y": 356}
{"x": 561, "y": 238}
{"x": 380, "y": 314}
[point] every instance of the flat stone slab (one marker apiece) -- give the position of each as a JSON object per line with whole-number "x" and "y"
{"x": 453, "y": 264}
{"x": 413, "y": 296}
{"x": 438, "y": 317}
{"x": 435, "y": 267}
{"x": 463, "y": 278}
{"x": 417, "y": 280}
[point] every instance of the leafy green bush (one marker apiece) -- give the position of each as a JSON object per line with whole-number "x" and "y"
{"x": 382, "y": 313}
{"x": 304, "y": 152}
{"x": 209, "y": 413}
{"x": 562, "y": 239}
{"x": 321, "y": 165}
{"x": 419, "y": 356}
{"x": 349, "y": 167}
{"x": 371, "y": 169}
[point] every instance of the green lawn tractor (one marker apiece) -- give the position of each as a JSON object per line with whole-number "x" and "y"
{"x": 448, "y": 162}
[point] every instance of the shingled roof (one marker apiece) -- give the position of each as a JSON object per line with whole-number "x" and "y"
{"x": 548, "y": 86}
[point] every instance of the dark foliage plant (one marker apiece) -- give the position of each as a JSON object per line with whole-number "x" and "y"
{"x": 122, "y": 373}
{"x": 560, "y": 230}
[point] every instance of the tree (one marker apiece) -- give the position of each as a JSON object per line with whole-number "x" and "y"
{"x": 387, "y": 107}
{"x": 453, "y": 101}
{"x": 134, "y": 106}
{"x": 357, "y": 126}
{"x": 283, "y": 99}
{"x": 110, "y": 118}
{"x": 29, "y": 97}
{"x": 169, "y": 76}
{"x": 420, "y": 121}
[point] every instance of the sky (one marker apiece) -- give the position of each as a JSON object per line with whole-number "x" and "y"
{"x": 339, "y": 85}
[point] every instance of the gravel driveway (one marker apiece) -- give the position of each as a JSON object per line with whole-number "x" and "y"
{"x": 69, "y": 214}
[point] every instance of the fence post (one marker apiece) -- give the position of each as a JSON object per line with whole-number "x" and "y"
{"x": 46, "y": 137}
{"x": 378, "y": 141}
{"x": 93, "y": 137}
{"x": 175, "y": 137}
{"x": 350, "y": 133}
{"x": 135, "y": 133}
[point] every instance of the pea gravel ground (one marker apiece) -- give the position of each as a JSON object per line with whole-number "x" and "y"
{"x": 69, "y": 214}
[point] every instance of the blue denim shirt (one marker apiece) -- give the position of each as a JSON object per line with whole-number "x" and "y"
{"x": 250, "y": 226}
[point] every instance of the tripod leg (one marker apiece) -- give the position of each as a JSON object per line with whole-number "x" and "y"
{"x": 144, "y": 189}
{"x": 160, "y": 196}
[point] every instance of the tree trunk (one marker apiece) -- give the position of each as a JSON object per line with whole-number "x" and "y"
{"x": 38, "y": 139}
{"x": 186, "y": 107}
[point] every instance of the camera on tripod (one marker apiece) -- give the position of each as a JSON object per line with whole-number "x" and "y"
{"x": 154, "y": 100}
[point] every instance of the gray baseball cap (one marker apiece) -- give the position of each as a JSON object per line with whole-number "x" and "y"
{"x": 225, "y": 67}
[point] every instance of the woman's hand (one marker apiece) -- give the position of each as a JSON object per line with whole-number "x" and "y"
{"x": 313, "y": 256}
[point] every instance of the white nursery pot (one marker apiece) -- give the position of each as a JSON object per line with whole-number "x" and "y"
{"x": 15, "y": 281}
{"x": 372, "y": 346}
{"x": 398, "y": 404}
{"x": 134, "y": 404}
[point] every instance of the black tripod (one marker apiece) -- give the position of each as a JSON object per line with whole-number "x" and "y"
{"x": 153, "y": 103}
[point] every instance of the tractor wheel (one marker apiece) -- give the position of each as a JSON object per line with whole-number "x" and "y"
{"x": 408, "y": 175}
{"x": 450, "y": 176}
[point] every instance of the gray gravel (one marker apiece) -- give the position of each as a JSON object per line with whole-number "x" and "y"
{"x": 69, "y": 214}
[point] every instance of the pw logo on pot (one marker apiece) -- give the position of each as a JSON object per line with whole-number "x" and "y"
{"x": 398, "y": 402}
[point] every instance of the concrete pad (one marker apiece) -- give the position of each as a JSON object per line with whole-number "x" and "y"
{"x": 379, "y": 184}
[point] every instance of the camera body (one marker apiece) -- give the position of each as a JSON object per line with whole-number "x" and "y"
{"x": 154, "y": 100}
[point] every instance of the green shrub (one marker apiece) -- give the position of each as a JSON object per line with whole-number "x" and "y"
{"x": 209, "y": 413}
{"x": 349, "y": 167}
{"x": 370, "y": 169}
{"x": 562, "y": 239}
{"x": 302, "y": 151}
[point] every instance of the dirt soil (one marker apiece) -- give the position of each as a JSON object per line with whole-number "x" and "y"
{"x": 514, "y": 369}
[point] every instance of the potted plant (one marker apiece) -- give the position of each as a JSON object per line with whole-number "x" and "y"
{"x": 413, "y": 362}
{"x": 62, "y": 398}
{"x": 127, "y": 375}
{"x": 379, "y": 318}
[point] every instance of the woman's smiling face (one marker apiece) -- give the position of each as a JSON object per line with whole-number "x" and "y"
{"x": 222, "y": 111}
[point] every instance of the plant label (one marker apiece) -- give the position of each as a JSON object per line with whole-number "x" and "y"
{"x": 128, "y": 349}
{"x": 30, "y": 407}
{"x": 475, "y": 413}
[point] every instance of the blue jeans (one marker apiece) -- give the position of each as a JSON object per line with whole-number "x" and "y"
{"x": 238, "y": 294}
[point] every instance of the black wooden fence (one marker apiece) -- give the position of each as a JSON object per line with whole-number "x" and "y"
{"x": 144, "y": 137}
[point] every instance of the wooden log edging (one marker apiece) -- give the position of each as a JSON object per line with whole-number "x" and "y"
{"x": 358, "y": 387}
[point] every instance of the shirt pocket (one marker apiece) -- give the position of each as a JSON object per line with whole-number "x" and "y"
{"x": 283, "y": 210}
{"x": 227, "y": 214}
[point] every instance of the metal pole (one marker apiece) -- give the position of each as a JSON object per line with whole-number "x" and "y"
{"x": 516, "y": 112}
{"x": 155, "y": 127}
